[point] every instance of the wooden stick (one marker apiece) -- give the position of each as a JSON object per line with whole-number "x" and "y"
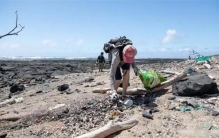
{"x": 133, "y": 91}
{"x": 109, "y": 129}
{"x": 140, "y": 91}
{"x": 170, "y": 72}
{"x": 12, "y": 118}
{"x": 101, "y": 90}
{"x": 169, "y": 82}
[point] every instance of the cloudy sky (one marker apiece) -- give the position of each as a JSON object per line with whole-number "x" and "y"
{"x": 79, "y": 28}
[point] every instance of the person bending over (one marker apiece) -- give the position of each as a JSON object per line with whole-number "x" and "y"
{"x": 121, "y": 60}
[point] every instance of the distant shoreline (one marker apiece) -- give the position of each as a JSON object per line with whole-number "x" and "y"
{"x": 69, "y": 59}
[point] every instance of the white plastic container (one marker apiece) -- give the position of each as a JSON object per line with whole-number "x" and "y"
{"x": 128, "y": 102}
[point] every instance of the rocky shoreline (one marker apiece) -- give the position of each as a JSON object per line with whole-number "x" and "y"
{"x": 45, "y": 111}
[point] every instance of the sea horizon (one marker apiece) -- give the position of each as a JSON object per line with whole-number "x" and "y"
{"x": 25, "y": 58}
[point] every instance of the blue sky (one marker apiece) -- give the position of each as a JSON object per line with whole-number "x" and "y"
{"x": 79, "y": 28}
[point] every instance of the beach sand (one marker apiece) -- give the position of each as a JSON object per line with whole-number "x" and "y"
{"x": 82, "y": 111}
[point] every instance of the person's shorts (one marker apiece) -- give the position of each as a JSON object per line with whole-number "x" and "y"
{"x": 125, "y": 66}
{"x": 100, "y": 65}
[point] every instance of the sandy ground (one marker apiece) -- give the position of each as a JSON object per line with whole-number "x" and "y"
{"x": 166, "y": 123}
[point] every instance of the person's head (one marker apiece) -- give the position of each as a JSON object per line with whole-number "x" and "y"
{"x": 101, "y": 53}
{"x": 129, "y": 53}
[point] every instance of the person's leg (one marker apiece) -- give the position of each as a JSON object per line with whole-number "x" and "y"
{"x": 126, "y": 75}
{"x": 101, "y": 69}
{"x": 118, "y": 77}
{"x": 99, "y": 65}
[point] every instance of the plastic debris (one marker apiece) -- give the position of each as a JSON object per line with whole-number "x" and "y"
{"x": 199, "y": 107}
{"x": 115, "y": 112}
{"x": 57, "y": 106}
{"x": 19, "y": 100}
{"x": 147, "y": 114}
{"x": 193, "y": 103}
{"x": 207, "y": 66}
{"x": 128, "y": 102}
{"x": 186, "y": 108}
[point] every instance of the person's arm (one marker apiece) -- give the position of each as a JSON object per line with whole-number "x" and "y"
{"x": 98, "y": 58}
{"x": 114, "y": 65}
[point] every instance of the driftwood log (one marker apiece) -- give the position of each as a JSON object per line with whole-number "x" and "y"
{"x": 109, "y": 129}
{"x": 133, "y": 91}
{"x": 170, "y": 72}
{"x": 169, "y": 82}
{"x": 140, "y": 91}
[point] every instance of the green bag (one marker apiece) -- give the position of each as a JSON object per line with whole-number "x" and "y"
{"x": 150, "y": 78}
{"x": 203, "y": 58}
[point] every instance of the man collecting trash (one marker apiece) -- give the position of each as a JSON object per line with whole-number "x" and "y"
{"x": 123, "y": 55}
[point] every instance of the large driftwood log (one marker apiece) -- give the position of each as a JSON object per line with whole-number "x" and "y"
{"x": 170, "y": 72}
{"x": 109, "y": 129}
{"x": 140, "y": 91}
{"x": 169, "y": 82}
{"x": 133, "y": 91}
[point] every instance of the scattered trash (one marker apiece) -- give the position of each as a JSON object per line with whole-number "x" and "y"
{"x": 115, "y": 112}
{"x": 186, "y": 108}
{"x": 19, "y": 126}
{"x": 207, "y": 66}
{"x": 147, "y": 114}
{"x": 183, "y": 108}
{"x": 212, "y": 77}
{"x": 150, "y": 78}
{"x": 13, "y": 100}
{"x": 203, "y": 58}
{"x": 19, "y": 100}
{"x": 57, "y": 106}
{"x": 207, "y": 126}
{"x": 199, "y": 107}
{"x": 189, "y": 70}
{"x": 193, "y": 103}
{"x": 128, "y": 102}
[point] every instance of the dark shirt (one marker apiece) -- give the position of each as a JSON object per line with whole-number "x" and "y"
{"x": 100, "y": 59}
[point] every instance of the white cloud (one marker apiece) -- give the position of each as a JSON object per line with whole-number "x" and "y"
{"x": 184, "y": 49}
{"x": 75, "y": 42}
{"x": 68, "y": 40}
{"x": 48, "y": 42}
{"x": 163, "y": 49}
{"x": 79, "y": 42}
{"x": 169, "y": 36}
{"x": 9, "y": 45}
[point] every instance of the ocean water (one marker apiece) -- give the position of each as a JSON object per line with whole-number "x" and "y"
{"x": 20, "y": 58}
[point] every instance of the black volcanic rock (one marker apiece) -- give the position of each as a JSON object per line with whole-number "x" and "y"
{"x": 16, "y": 88}
{"x": 63, "y": 87}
